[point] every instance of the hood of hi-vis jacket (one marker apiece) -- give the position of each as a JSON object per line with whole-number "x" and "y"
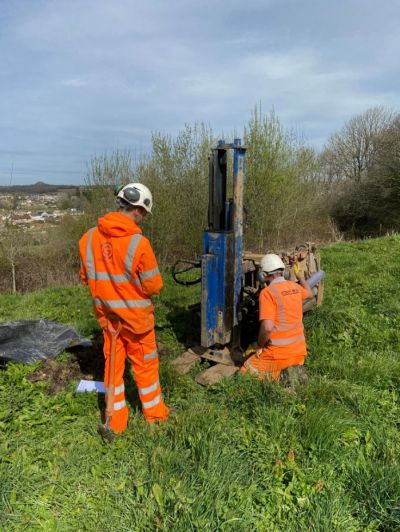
{"x": 120, "y": 268}
{"x": 116, "y": 224}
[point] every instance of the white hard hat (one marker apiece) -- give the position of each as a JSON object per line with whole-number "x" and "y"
{"x": 270, "y": 263}
{"x": 138, "y": 195}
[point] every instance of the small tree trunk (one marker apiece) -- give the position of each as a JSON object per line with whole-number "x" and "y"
{"x": 14, "y": 282}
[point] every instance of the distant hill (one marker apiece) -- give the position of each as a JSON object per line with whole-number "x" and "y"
{"x": 37, "y": 188}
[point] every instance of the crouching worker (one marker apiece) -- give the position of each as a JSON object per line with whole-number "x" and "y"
{"x": 281, "y": 342}
{"x": 119, "y": 266}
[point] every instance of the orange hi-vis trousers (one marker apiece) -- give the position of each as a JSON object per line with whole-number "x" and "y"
{"x": 266, "y": 367}
{"x": 141, "y": 350}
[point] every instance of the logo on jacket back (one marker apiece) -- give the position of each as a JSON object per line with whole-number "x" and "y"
{"x": 107, "y": 251}
{"x": 290, "y": 292}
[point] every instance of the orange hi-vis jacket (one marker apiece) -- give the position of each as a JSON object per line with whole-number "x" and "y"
{"x": 118, "y": 264}
{"x": 281, "y": 302}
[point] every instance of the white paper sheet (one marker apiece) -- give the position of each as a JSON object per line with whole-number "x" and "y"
{"x": 90, "y": 386}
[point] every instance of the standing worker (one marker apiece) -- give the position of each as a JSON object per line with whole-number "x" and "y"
{"x": 119, "y": 266}
{"x": 281, "y": 342}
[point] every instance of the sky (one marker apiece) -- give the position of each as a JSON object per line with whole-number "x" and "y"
{"x": 80, "y": 78}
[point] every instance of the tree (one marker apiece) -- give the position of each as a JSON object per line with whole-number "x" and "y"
{"x": 12, "y": 245}
{"x": 352, "y": 151}
{"x": 383, "y": 183}
{"x": 177, "y": 174}
{"x": 282, "y": 187}
{"x": 371, "y": 206}
{"x": 104, "y": 173}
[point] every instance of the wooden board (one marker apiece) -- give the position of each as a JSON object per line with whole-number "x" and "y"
{"x": 320, "y": 292}
{"x": 220, "y": 356}
{"x": 184, "y": 363}
{"x": 255, "y": 257}
{"x": 215, "y": 374}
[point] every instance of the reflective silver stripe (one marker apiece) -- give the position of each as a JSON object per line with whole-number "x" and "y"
{"x": 288, "y": 326}
{"x": 287, "y": 341}
{"x": 154, "y": 402}
{"x": 151, "y": 355}
{"x": 130, "y": 254}
{"x": 120, "y": 303}
{"x": 106, "y": 276}
{"x": 149, "y": 273}
{"x": 91, "y": 272}
{"x": 119, "y": 404}
{"x": 149, "y": 389}
{"x": 117, "y": 278}
{"x": 119, "y": 389}
{"x": 250, "y": 368}
{"x": 281, "y": 312}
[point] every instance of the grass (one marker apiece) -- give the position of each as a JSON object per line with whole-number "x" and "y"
{"x": 243, "y": 455}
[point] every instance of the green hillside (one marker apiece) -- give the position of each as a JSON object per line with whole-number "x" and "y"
{"x": 243, "y": 455}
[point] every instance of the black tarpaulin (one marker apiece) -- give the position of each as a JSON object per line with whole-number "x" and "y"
{"x": 32, "y": 340}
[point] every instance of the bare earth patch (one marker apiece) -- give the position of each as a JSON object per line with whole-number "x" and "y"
{"x": 82, "y": 363}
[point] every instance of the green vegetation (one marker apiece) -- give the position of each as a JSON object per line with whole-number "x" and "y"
{"x": 243, "y": 455}
{"x": 284, "y": 200}
{"x": 292, "y": 194}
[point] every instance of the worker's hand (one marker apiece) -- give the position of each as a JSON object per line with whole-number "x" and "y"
{"x": 253, "y": 350}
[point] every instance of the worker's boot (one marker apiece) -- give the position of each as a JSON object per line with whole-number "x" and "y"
{"x": 294, "y": 376}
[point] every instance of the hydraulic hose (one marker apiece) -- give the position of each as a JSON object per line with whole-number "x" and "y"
{"x": 316, "y": 278}
{"x": 192, "y": 265}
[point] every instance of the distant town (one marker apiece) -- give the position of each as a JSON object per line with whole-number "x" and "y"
{"x": 31, "y": 206}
